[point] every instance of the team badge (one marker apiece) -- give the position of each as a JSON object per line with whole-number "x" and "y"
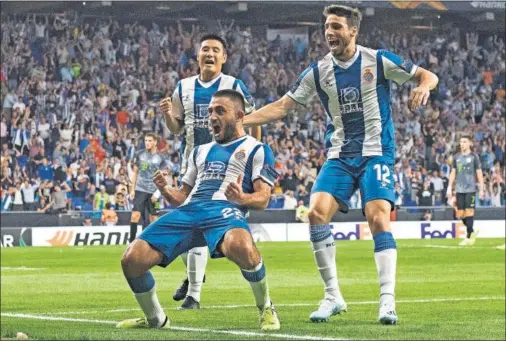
{"x": 368, "y": 76}
{"x": 241, "y": 154}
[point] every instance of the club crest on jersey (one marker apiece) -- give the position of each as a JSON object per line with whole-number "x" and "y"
{"x": 241, "y": 154}
{"x": 368, "y": 76}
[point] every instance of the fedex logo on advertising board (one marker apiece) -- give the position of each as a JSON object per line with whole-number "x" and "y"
{"x": 440, "y": 230}
{"x": 347, "y": 231}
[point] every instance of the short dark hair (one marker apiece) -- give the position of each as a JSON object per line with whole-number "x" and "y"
{"x": 108, "y": 205}
{"x": 213, "y": 36}
{"x": 353, "y": 15}
{"x": 467, "y": 136}
{"x": 152, "y": 135}
{"x": 235, "y": 96}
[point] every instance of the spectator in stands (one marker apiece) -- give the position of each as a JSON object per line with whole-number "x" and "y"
{"x": 425, "y": 195}
{"x": 59, "y": 197}
{"x": 101, "y": 199}
{"x": 43, "y": 206}
{"x": 87, "y": 221}
{"x": 115, "y": 83}
{"x": 17, "y": 203}
{"x": 28, "y": 189}
{"x": 301, "y": 213}
{"x": 109, "y": 216}
{"x": 7, "y": 198}
{"x": 46, "y": 172}
{"x": 290, "y": 202}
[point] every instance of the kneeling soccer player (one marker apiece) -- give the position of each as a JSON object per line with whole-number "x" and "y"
{"x": 212, "y": 201}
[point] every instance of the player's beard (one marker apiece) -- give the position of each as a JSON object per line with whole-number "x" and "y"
{"x": 341, "y": 51}
{"x": 229, "y": 134}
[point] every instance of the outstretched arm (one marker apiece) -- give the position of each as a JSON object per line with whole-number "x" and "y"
{"x": 270, "y": 113}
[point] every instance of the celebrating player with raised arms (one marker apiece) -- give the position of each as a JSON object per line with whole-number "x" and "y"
{"x": 223, "y": 179}
{"x": 187, "y": 113}
{"x": 353, "y": 85}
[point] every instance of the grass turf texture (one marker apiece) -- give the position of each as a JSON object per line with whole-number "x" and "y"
{"x": 443, "y": 292}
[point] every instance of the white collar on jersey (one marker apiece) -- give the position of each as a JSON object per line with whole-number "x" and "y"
{"x": 211, "y": 82}
{"x": 350, "y": 61}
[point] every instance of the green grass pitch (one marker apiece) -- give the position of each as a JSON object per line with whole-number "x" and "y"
{"x": 443, "y": 292}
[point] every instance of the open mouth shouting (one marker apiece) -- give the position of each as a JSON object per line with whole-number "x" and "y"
{"x": 216, "y": 130}
{"x": 334, "y": 44}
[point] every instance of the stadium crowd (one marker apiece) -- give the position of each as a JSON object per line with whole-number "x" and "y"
{"x": 77, "y": 98}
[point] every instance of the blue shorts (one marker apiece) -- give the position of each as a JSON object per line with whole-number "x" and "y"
{"x": 193, "y": 225}
{"x": 341, "y": 178}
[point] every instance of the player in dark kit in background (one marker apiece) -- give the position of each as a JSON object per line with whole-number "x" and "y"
{"x": 466, "y": 168}
{"x": 146, "y": 162}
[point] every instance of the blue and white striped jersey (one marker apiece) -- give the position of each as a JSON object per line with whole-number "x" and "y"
{"x": 356, "y": 97}
{"x": 190, "y": 101}
{"x": 213, "y": 166}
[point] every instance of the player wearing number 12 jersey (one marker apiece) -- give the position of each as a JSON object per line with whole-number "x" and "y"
{"x": 353, "y": 85}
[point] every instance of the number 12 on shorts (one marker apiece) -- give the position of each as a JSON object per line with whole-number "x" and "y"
{"x": 382, "y": 173}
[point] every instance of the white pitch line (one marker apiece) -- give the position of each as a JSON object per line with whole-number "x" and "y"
{"x": 235, "y": 306}
{"x": 21, "y": 268}
{"x": 187, "y": 329}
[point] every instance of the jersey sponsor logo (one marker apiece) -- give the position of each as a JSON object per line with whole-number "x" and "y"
{"x": 349, "y": 99}
{"x": 368, "y": 76}
{"x": 240, "y": 155}
{"x": 436, "y": 231}
{"x": 214, "y": 170}
{"x": 201, "y": 116}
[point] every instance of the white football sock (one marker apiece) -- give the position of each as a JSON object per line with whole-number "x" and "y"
{"x": 386, "y": 263}
{"x": 184, "y": 258}
{"x": 260, "y": 288}
{"x": 197, "y": 261}
{"x": 151, "y": 307}
{"x": 325, "y": 257}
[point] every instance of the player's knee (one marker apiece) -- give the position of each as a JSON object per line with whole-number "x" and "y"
{"x": 317, "y": 216}
{"x": 131, "y": 259}
{"x": 379, "y": 220}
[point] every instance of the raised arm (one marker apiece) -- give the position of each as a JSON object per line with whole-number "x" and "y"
{"x": 175, "y": 196}
{"x": 173, "y": 112}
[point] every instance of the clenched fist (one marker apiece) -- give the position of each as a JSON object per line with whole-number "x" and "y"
{"x": 166, "y": 105}
{"x": 160, "y": 179}
{"x": 234, "y": 191}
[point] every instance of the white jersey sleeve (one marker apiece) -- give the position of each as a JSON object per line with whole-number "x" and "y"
{"x": 263, "y": 166}
{"x": 397, "y": 68}
{"x": 190, "y": 176}
{"x": 305, "y": 88}
{"x": 177, "y": 105}
{"x": 248, "y": 99}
